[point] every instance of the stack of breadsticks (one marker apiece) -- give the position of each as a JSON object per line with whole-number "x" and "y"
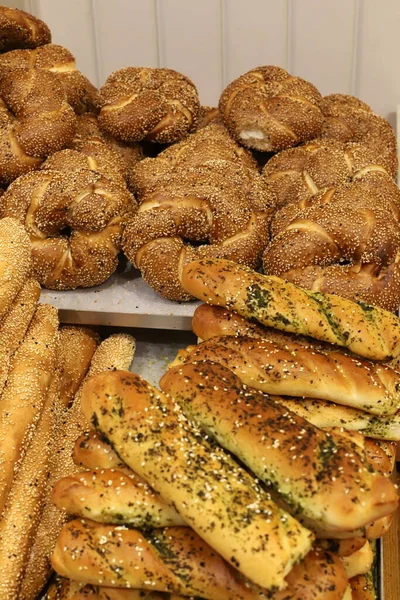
{"x": 42, "y": 368}
{"x": 221, "y": 485}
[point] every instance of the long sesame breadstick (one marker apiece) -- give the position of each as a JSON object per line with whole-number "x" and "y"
{"x": 114, "y": 352}
{"x": 77, "y": 346}
{"x": 15, "y": 323}
{"x": 15, "y": 261}
{"x": 24, "y": 502}
{"x": 23, "y": 397}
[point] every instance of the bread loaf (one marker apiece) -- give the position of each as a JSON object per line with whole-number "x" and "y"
{"x": 92, "y": 451}
{"x": 324, "y": 480}
{"x": 365, "y": 330}
{"x": 175, "y": 559}
{"x": 112, "y": 497}
{"x": 15, "y": 323}
{"x": 77, "y": 346}
{"x": 24, "y": 395}
{"x": 15, "y": 261}
{"x": 360, "y": 562}
{"x": 288, "y": 368}
{"x": 328, "y": 414}
{"x": 362, "y": 587}
{"x": 206, "y": 486}
{"x": 21, "y": 515}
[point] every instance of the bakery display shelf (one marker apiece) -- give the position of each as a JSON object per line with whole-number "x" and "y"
{"x": 124, "y": 300}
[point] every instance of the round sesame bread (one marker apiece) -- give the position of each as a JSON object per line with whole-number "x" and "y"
{"x": 159, "y": 105}
{"x": 268, "y": 109}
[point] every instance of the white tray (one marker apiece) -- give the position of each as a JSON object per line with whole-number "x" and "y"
{"x": 125, "y": 300}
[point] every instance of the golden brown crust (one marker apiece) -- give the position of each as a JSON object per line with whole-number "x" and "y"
{"x": 89, "y": 137}
{"x": 31, "y": 371}
{"x": 360, "y": 562}
{"x": 14, "y": 325}
{"x": 22, "y": 511}
{"x": 36, "y": 120}
{"x": 159, "y": 105}
{"x": 93, "y": 452}
{"x": 15, "y": 261}
{"x": 202, "y": 197}
{"x": 191, "y": 568}
{"x": 343, "y": 240}
{"x": 326, "y": 414}
{"x": 365, "y": 330}
{"x": 19, "y": 29}
{"x": 362, "y": 587}
{"x": 268, "y": 109}
{"x": 115, "y": 498}
{"x": 94, "y": 209}
{"x": 80, "y": 93}
{"x": 318, "y": 476}
{"x": 346, "y": 118}
{"x": 119, "y": 402}
{"x": 77, "y": 346}
{"x": 296, "y": 174}
{"x": 287, "y": 368}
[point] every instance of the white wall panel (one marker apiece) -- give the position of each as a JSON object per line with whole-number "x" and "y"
{"x": 255, "y": 33}
{"x": 126, "y": 34}
{"x": 350, "y": 46}
{"x": 71, "y": 23}
{"x": 190, "y": 41}
{"x": 378, "y": 77}
{"x": 323, "y": 43}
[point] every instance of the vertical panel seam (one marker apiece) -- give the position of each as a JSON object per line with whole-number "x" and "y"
{"x": 158, "y": 34}
{"x": 98, "y": 58}
{"x": 289, "y": 35}
{"x": 32, "y": 7}
{"x": 355, "y": 49}
{"x": 222, "y": 45}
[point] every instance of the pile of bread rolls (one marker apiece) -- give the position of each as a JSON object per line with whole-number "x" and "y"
{"x": 323, "y": 213}
{"x": 228, "y": 482}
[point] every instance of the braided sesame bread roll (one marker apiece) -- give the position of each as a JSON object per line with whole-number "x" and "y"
{"x": 317, "y": 476}
{"x": 77, "y": 347}
{"x": 346, "y": 118}
{"x": 366, "y": 330}
{"x": 21, "y": 515}
{"x": 289, "y": 368}
{"x": 36, "y": 117}
{"x": 324, "y": 414}
{"x": 15, "y": 261}
{"x": 121, "y": 402}
{"x": 89, "y": 138}
{"x": 114, "y": 352}
{"x": 14, "y": 325}
{"x": 80, "y": 93}
{"x": 296, "y": 174}
{"x": 344, "y": 241}
{"x": 112, "y": 497}
{"x": 158, "y": 105}
{"x": 19, "y": 29}
{"x": 268, "y": 109}
{"x": 176, "y": 560}
{"x": 92, "y": 208}
{"x": 27, "y": 385}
